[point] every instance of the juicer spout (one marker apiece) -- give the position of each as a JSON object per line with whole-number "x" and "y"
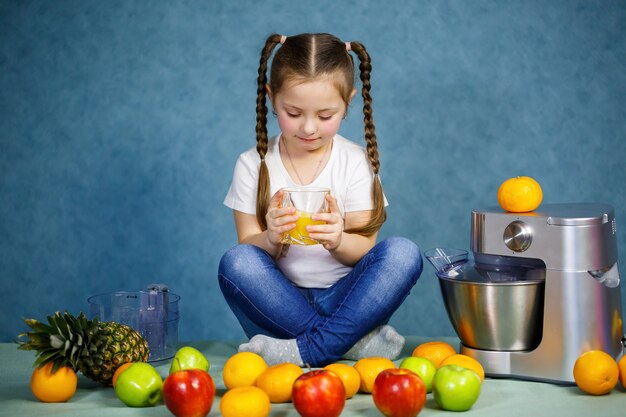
{"x": 607, "y": 277}
{"x": 446, "y": 261}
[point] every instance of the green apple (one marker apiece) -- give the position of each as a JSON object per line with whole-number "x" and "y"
{"x": 139, "y": 385}
{"x": 423, "y": 367}
{"x": 188, "y": 357}
{"x": 456, "y": 388}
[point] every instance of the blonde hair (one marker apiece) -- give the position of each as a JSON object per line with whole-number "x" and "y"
{"x": 306, "y": 57}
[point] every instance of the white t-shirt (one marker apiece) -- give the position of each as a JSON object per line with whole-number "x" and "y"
{"x": 349, "y": 176}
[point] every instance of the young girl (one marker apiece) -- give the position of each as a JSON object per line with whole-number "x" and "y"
{"x": 314, "y": 304}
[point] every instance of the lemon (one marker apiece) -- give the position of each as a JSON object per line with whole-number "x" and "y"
{"x": 435, "y": 351}
{"x": 349, "y": 376}
{"x": 369, "y": 368}
{"x": 245, "y": 402}
{"x": 277, "y": 381}
{"x": 242, "y": 369}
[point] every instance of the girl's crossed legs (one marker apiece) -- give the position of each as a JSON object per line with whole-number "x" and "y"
{"x": 322, "y": 323}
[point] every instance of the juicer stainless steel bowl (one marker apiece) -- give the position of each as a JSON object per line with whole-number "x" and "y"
{"x": 503, "y": 316}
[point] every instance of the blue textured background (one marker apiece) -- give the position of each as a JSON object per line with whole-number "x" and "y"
{"x": 120, "y": 123}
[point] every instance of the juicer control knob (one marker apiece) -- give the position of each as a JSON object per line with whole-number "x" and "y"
{"x": 518, "y": 236}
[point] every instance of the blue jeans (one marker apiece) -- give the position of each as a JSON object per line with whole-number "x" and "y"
{"x": 325, "y": 322}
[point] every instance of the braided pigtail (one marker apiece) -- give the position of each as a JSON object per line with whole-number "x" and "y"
{"x": 379, "y": 214}
{"x": 263, "y": 186}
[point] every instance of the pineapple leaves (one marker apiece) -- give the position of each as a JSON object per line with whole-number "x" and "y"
{"x": 59, "y": 325}
{"x": 56, "y": 341}
{"x": 56, "y": 366}
{"x": 74, "y": 354}
{"x": 92, "y": 347}
{"x": 60, "y": 341}
{"x": 23, "y": 344}
{"x": 45, "y": 357}
{"x": 38, "y": 326}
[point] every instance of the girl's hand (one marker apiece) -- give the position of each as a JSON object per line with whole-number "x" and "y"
{"x": 279, "y": 220}
{"x": 330, "y": 233}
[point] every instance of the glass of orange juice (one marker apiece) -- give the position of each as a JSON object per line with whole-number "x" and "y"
{"x": 307, "y": 201}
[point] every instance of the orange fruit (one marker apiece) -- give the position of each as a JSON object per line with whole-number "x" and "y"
{"x": 466, "y": 362}
{"x": 242, "y": 369}
{"x": 435, "y": 351}
{"x": 118, "y": 371}
{"x": 349, "y": 376}
{"x": 520, "y": 194}
{"x": 596, "y": 372}
{"x": 622, "y": 370}
{"x": 54, "y": 387}
{"x": 369, "y": 368}
{"x": 277, "y": 381}
{"x": 245, "y": 402}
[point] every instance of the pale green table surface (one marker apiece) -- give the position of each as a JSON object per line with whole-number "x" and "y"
{"x": 499, "y": 397}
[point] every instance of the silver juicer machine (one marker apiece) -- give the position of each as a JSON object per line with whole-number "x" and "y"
{"x": 544, "y": 288}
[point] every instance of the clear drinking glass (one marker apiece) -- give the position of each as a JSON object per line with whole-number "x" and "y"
{"x": 307, "y": 201}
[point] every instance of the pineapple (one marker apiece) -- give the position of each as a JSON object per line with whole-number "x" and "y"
{"x": 92, "y": 347}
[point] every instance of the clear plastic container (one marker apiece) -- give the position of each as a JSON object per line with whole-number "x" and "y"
{"x": 153, "y": 313}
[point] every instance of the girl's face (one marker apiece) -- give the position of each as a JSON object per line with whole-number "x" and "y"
{"x": 309, "y": 113}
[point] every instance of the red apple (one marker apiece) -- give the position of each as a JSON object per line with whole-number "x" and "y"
{"x": 399, "y": 393}
{"x": 189, "y": 393}
{"x": 319, "y": 393}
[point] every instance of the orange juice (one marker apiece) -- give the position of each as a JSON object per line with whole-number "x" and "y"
{"x": 299, "y": 234}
